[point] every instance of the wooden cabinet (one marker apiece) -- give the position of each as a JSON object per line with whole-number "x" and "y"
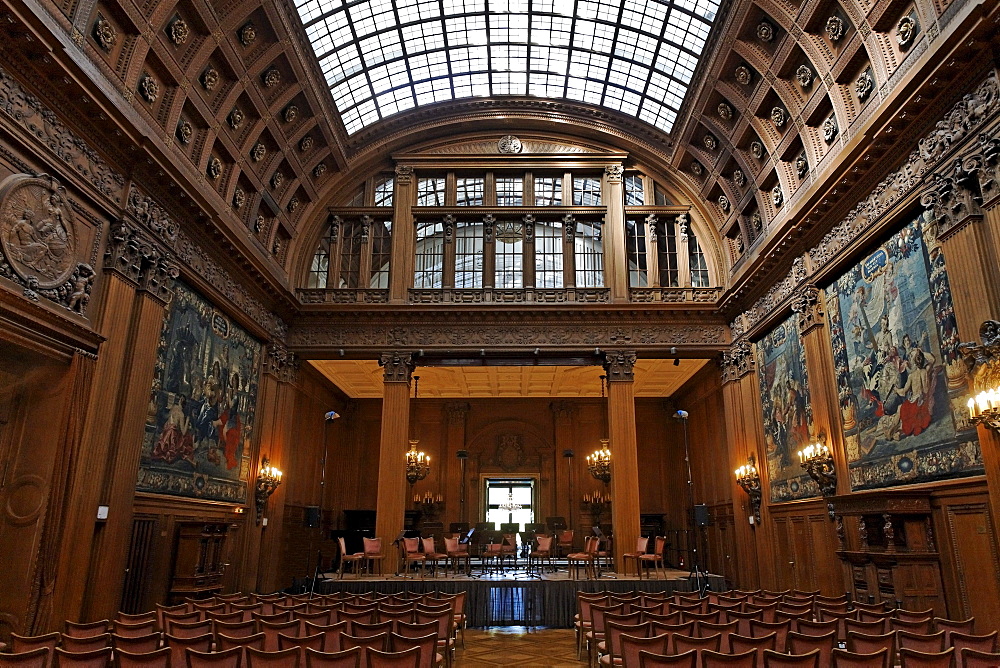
{"x": 198, "y": 560}
{"x": 887, "y": 549}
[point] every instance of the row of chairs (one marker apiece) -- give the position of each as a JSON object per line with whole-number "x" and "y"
{"x": 840, "y": 658}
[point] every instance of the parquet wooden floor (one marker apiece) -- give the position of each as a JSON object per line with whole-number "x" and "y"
{"x": 515, "y": 646}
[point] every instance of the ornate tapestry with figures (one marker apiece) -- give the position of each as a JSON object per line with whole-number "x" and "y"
{"x": 201, "y": 407}
{"x": 901, "y": 379}
{"x": 784, "y": 392}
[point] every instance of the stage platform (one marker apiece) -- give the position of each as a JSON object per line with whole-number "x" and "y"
{"x": 513, "y": 598}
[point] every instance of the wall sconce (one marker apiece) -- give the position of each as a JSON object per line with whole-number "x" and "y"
{"x": 748, "y": 478}
{"x": 418, "y": 465}
{"x": 598, "y": 504}
{"x": 267, "y": 481}
{"x": 817, "y": 460}
{"x": 984, "y": 368}
{"x": 599, "y": 463}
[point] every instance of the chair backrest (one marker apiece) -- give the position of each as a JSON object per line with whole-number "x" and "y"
{"x": 687, "y": 659}
{"x": 614, "y": 632}
{"x": 373, "y": 546}
{"x": 314, "y": 641}
{"x": 378, "y": 642}
{"x": 409, "y": 658}
{"x": 712, "y": 617}
{"x": 914, "y": 615}
{"x": 363, "y": 630}
{"x": 795, "y": 660}
{"x": 808, "y": 628}
{"x": 911, "y": 626}
{"x": 86, "y": 630}
{"x": 272, "y": 630}
{"x": 179, "y": 645}
{"x": 629, "y": 647}
{"x": 342, "y": 545}
{"x": 946, "y": 625}
{"x": 801, "y": 643}
{"x": 843, "y": 658}
{"x": 867, "y": 643}
{"x": 970, "y": 658}
{"x": 130, "y": 630}
{"x": 256, "y": 641}
{"x": 188, "y": 629}
{"x": 426, "y": 644}
{"x": 708, "y": 628}
{"x": 921, "y": 642}
{"x": 159, "y": 658}
{"x": 566, "y": 537}
{"x": 710, "y": 659}
{"x": 683, "y": 643}
{"x": 226, "y": 658}
{"x": 140, "y": 618}
{"x": 35, "y": 658}
{"x": 911, "y": 658}
{"x": 288, "y": 658}
{"x": 349, "y": 658}
{"x": 869, "y": 607}
{"x": 781, "y": 628}
{"x": 598, "y": 612}
{"x": 656, "y": 628}
{"x": 984, "y": 643}
{"x": 411, "y": 545}
{"x": 235, "y": 629}
{"x": 73, "y": 644}
{"x": 23, "y": 644}
{"x": 136, "y": 644}
{"x": 743, "y": 628}
{"x": 544, "y": 542}
{"x": 874, "y": 627}
{"x": 740, "y": 643}
{"x": 98, "y": 658}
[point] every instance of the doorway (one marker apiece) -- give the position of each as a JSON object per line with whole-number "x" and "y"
{"x": 509, "y": 501}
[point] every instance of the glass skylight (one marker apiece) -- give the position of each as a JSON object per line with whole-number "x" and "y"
{"x": 382, "y": 57}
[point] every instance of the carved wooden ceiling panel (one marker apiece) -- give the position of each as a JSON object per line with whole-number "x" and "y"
{"x": 362, "y": 379}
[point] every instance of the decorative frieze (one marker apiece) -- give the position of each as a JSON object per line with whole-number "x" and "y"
{"x": 808, "y": 303}
{"x": 136, "y": 257}
{"x": 737, "y": 362}
{"x": 280, "y": 363}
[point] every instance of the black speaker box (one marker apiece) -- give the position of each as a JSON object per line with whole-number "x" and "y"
{"x": 701, "y": 515}
{"x": 312, "y": 516}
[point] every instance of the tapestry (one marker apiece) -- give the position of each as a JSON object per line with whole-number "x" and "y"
{"x": 201, "y": 407}
{"x": 784, "y": 393}
{"x": 901, "y": 381}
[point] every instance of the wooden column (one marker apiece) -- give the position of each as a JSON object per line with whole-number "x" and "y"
{"x": 404, "y": 236}
{"x": 390, "y": 504}
{"x": 742, "y": 416}
{"x": 455, "y": 482}
{"x": 613, "y": 235}
{"x": 624, "y": 456}
{"x": 564, "y": 436}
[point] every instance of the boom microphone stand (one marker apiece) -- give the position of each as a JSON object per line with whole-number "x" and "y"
{"x": 697, "y": 574}
{"x": 327, "y": 419}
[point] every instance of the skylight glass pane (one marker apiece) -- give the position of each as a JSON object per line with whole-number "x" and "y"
{"x": 381, "y": 57}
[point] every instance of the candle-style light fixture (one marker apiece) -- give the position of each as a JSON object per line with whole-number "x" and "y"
{"x": 983, "y": 362}
{"x": 748, "y": 478}
{"x": 599, "y": 463}
{"x": 817, "y": 459}
{"x": 418, "y": 465}
{"x": 510, "y": 506}
{"x": 268, "y": 480}
{"x": 598, "y": 504}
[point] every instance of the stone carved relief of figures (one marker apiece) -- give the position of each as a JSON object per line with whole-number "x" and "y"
{"x": 39, "y": 241}
{"x": 902, "y": 382}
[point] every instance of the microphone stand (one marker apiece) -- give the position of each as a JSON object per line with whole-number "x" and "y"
{"x": 697, "y": 574}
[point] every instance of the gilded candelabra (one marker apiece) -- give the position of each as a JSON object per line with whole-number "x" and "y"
{"x": 599, "y": 463}
{"x": 817, "y": 460}
{"x": 983, "y": 362}
{"x": 267, "y": 481}
{"x": 418, "y": 465}
{"x": 748, "y": 478}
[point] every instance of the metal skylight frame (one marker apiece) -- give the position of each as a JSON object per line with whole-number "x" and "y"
{"x": 382, "y": 57}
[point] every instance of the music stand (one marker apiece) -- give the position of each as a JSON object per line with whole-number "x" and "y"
{"x": 600, "y": 536}
{"x": 464, "y": 540}
{"x": 399, "y": 539}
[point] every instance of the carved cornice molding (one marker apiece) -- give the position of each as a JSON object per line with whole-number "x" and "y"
{"x": 151, "y": 215}
{"x": 737, "y": 362}
{"x": 280, "y": 363}
{"x": 456, "y": 411}
{"x": 619, "y": 365}
{"x": 952, "y": 198}
{"x": 808, "y": 303}
{"x": 564, "y": 410}
{"x": 397, "y": 367}
{"x": 484, "y": 330}
{"x": 134, "y": 256}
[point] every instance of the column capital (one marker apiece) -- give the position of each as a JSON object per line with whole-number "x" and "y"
{"x": 404, "y": 175}
{"x": 397, "y": 367}
{"x": 618, "y": 365}
{"x": 614, "y": 173}
{"x": 737, "y": 362}
{"x": 280, "y": 362}
{"x": 808, "y": 303}
{"x": 456, "y": 411}
{"x": 563, "y": 410}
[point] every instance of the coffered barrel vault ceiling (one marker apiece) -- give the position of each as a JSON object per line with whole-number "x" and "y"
{"x": 362, "y": 379}
{"x": 382, "y": 57}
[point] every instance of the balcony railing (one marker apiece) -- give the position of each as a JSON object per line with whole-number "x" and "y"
{"x": 510, "y": 296}
{"x": 343, "y": 296}
{"x": 675, "y": 295}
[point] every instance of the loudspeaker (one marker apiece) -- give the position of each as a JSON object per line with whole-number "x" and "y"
{"x": 312, "y": 516}
{"x": 701, "y": 515}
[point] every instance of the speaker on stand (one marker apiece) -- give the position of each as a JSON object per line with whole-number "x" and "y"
{"x": 312, "y": 517}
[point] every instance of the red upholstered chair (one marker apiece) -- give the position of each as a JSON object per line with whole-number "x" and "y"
{"x": 355, "y": 558}
{"x": 960, "y": 641}
{"x": 98, "y": 658}
{"x": 136, "y": 645}
{"x": 432, "y": 556}
{"x": 228, "y": 658}
{"x": 872, "y": 628}
{"x": 331, "y": 634}
{"x": 781, "y": 660}
{"x": 159, "y": 658}
{"x": 188, "y": 629}
{"x": 585, "y": 559}
{"x": 140, "y": 618}
{"x": 179, "y": 646}
{"x": 744, "y": 619}
{"x": 914, "y": 615}
{"x": 947, "y": 625}
{"x": 683, "y": 643}
{"x": 379, "y": 642}
{"x": 864, "y": 643}
{"x": 708, "y": 628}
{"x": 409, "y": 658}
{"x": 710, "y": 659}
{"x": 911, "y": 658}
{"x": 609, "y": 650}
{"x": 970, "y": 658}
{"x": 564, "y": 542}
{"x": 631, "y": 647}
{"x": 457, "y": 553}
{"x": 688, "y": 659}
{"x": 129, "y": 630}
{"x": 640, "y": 549}
{"x": 921, "y": 642}
{"x": 288, "y": 658}
{"x": 411, "y": 555}
{"x": 654, "y": 558}
{"x": 224, "y": 642}
{"x": 780, "y": 628}
{"x": 818, "y": 628}
{"x": 543, "y": 551}
{"x": 71, "y": 644}
{"x": 349, "y": 658}
{"x": 801, "y": 643}
{"x": 373, "y": 554}
{"x": 429, "y": 657}
{"x": 843, "y": 658}
{"x": 87, "y": 630}
{"x": 920, "y": 626}
{"x": 35, "y": 658}
{"x": 739, "y": 643}
{"x": 235, "y": 629}
{"x": 22, "y": 644}
{"x": 272, "y": 630}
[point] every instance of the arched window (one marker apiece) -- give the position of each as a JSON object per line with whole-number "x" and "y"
{"x": 696, "y": 260}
